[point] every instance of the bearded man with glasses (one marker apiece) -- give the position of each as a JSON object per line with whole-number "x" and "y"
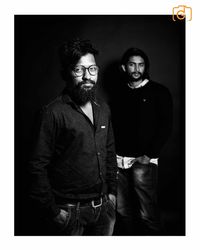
{"x": 74, "y": 166}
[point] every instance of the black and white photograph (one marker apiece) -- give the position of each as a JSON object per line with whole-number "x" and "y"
{"x": 99, "y": 125}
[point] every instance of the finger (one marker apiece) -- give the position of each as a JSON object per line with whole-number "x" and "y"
{"x": 133, "y": 161}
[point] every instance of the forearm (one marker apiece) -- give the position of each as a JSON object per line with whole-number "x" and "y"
{"x": 40, "y": 189}
{"x": 111, "y": 162}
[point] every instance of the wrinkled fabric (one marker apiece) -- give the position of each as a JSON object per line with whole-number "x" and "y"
{"x": 137, "y": 194}
{"x": 73, "y": 159}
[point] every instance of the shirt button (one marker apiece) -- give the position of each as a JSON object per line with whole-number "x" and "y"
{"x": 101, "y": 173}
{"x": 98, "y": 153}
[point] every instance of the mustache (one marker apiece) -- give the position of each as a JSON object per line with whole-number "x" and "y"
{"x": 136, "y": 73}
{"x": 86, "y": 81}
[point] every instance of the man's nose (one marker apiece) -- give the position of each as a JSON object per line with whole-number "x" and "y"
{"x": 86, "y": 74}
{"x": 137, "y": 68}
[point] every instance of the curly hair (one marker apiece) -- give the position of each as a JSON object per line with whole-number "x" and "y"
{"x": 70, "y": 52}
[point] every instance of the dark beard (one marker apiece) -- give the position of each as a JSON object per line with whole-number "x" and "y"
{"x": 132, "y": 78}
{"x": 81, "y": 95}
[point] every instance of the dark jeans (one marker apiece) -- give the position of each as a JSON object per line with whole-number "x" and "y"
{"x": 87, "y": 220}
{"x": 137, "y": 197}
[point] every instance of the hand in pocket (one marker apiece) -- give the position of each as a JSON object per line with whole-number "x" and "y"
{"x": 61, "y": 217}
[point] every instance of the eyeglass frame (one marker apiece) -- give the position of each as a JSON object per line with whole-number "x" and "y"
{"x": 84, "y": 70}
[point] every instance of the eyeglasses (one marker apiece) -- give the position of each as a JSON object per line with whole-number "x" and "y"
{"x": 80, "y": 70}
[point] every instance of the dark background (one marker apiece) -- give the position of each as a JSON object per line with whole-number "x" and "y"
{"x": 38, "y": 81}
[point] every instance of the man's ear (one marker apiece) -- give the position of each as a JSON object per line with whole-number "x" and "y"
{"x": 123, "y": 68}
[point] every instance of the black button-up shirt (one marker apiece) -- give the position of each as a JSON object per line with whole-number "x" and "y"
{"x": 73, "y": 159}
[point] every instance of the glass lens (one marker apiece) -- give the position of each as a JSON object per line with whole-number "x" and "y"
{"x": 78, "y": 70}
{"x": 93, "y": 69}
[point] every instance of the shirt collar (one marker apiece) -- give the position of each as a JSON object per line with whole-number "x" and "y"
{"x": 143, "y": 83}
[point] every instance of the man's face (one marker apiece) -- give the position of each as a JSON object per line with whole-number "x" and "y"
{"x": 86, "y": 81}
{"x": 135, "y": 68}
{"x": 84, "y": 76}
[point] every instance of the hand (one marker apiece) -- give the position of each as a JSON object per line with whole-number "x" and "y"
{"x": 61, "y": 217}
{"x": 112, "y": 197}
{"x": 143, "y": 159}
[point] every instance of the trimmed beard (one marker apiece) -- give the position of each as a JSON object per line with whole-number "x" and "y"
{"x": 81, "y": 95}
{"x": 133, "y": 79}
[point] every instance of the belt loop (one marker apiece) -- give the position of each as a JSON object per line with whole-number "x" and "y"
{"x": 106, "y": 198}
{"x": 77, "y": 210}
{"x": 78, "y": 205}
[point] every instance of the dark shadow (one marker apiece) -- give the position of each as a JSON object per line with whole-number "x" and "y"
{"x": 112, "y": 82}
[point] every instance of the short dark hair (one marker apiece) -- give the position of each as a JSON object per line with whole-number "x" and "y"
{"x": 136, "y": 52}
{"x": 70, "y": 52}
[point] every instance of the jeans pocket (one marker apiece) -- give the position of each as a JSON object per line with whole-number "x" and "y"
{"x": 62, "y": 226}
{"x": 112, "y": 204}
{"x": 111, "y": 208}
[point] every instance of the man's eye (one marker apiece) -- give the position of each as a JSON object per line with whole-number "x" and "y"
{"x": 77, "y": 70}
{"x": 93, "y": 68}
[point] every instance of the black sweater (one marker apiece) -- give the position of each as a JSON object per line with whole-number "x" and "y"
{"x": 142, "y": 120}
